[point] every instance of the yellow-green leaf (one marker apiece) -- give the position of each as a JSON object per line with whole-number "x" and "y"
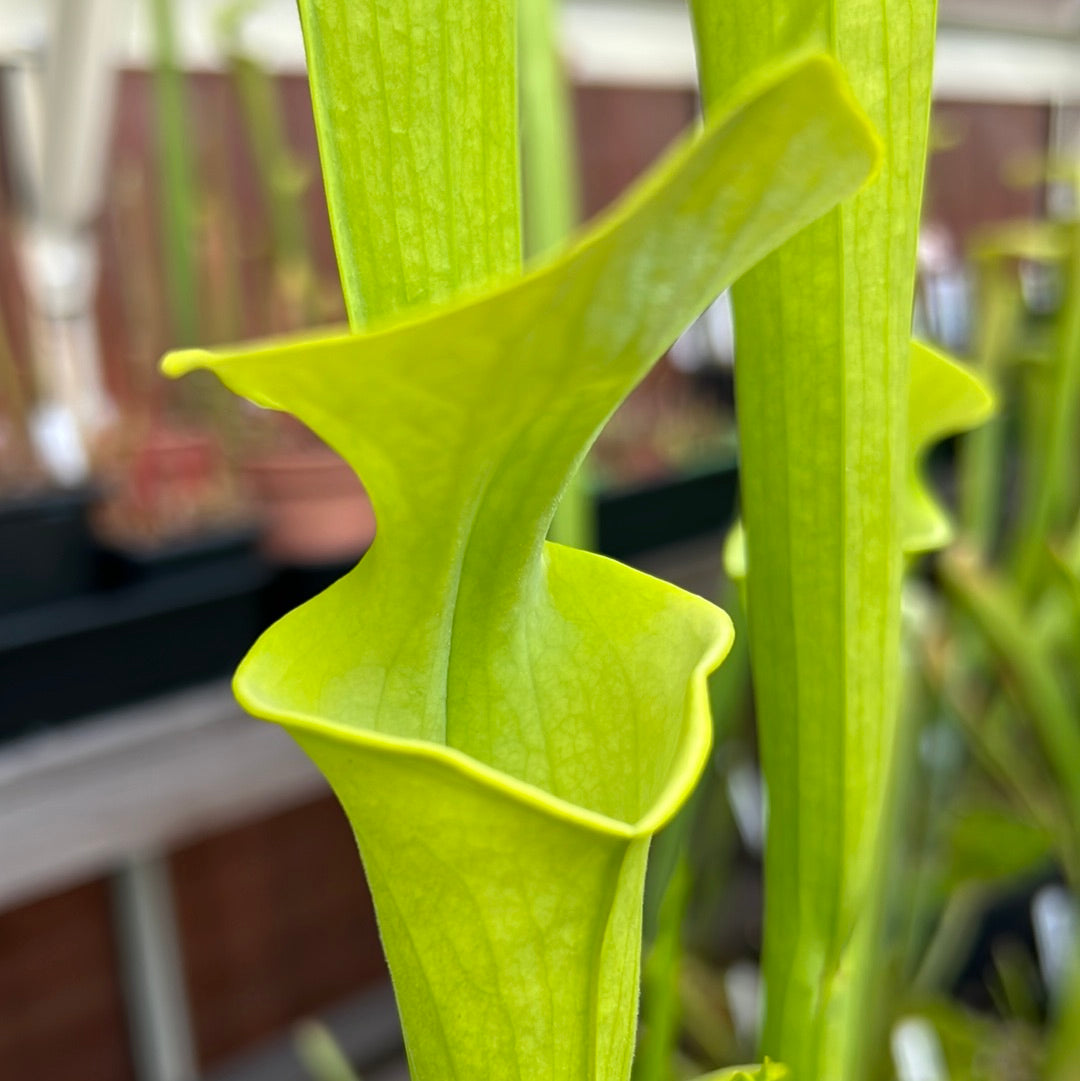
{"x": 416, "y": 114}
{"x": 506, "y": 722}
{"x": 767, "y": 1071}
{"x": 822, "y": 328}
{"x": 944, "y": 398}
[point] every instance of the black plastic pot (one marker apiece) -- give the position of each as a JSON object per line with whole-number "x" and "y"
{"x": 1006, "y": 920}
{"x": 92, "y": 653}
{"x": 647, "y": 516}
{"x": 123, "y": 566}
{"x": 292, "y": 586}
{"x": 46, "y": 550}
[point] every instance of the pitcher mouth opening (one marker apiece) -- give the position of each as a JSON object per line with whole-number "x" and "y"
{"x": 692, "y": 754}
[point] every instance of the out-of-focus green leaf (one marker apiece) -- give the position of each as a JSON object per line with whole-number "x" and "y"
{"x": 992, "y": 843}
{"x": 1037, "y": 241}
{"x": 998, "y": 616}
{"x": 823, "y": 331}
{"x": 707, "y": 1019}
{"x": 733, "y": 557}
{"x": 767, "y": 1071}
{"x": 549, "y": 176}
{"x": 660, "y": 1013}
{"x": 1063, "y": 1050}
{"x": 321, "y": 1054}
{"x": 944, "y": 398}
{"x": 976, "y": 1047}
{"x": 1014, "y": 981}
{"x": 982, "y": 454}
{"x": 505, "y": 721}
{"x": 549, "y": 181}
{"x": 1053, "y": 483}
{"x": 1062, "y": 605}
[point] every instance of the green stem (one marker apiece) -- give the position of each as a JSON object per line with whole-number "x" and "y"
{"x": 1063, "y": 1052}
{"x": 983, "y": 450}
{"x": 661, "y": 1010}
{"x": 1054, "y": 442}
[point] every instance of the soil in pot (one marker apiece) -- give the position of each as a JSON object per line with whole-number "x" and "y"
{"x": 173, "y": 503}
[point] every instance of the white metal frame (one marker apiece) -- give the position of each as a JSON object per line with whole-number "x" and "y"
{"x": 981, "y": 56}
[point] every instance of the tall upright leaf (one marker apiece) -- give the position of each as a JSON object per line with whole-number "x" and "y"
{"x": 821, "y": 381}
{"x": 416, "y": 114}
{"x": 507, "y": 722}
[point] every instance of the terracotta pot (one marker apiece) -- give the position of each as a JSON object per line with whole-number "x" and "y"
{"x": 314, "y": 509}
{"x": 175, "y": 457}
